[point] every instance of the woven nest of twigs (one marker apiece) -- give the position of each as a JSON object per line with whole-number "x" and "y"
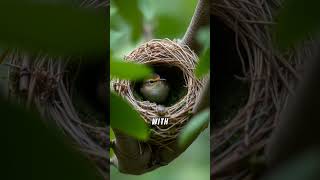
{"x": 269, "y": 77}
{"x": 47, "y": 83}
{"x": 176, "y": 63}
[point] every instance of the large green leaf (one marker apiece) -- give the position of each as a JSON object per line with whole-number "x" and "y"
{"x": 130, "y": 11}
{"x": 297, "y": 20}
{"x": 191, "y": 131}
{"x": 126, "y": 119}
{"x": 36, "y": 151}
{"x": 128, "y": 70}
{"x": 57, "y": 28}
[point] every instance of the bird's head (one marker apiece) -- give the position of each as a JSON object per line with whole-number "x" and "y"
{"x": 155, "y": 89}
{"x": 153, "y": 80}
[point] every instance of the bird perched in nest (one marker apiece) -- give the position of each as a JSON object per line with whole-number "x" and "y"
{"x": 155, "y": 89}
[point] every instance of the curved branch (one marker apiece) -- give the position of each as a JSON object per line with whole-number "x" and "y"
{"x": 200, "y": 18}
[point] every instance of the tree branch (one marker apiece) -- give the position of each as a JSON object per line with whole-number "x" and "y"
{"x": 200, "y": 18}
{"x": 132, "y": 156}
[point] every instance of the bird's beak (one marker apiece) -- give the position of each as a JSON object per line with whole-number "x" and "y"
{"x": 162, "y": 79}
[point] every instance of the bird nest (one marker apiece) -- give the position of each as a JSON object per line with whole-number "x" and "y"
{"x": 47, "y": 83}
{"x": 253, "y": 78}
{"x": 44, "y": 82}
{"x": 176, "y": 63}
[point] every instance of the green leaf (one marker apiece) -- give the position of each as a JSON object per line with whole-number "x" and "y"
{"x": 111, "y": 137}
{"x": 126, "y": 119}
{"x": 37, "y": 151}
{"x": 195, "y": 126}
{"x": 203, "y": 66}
{"x": 297, "y": 20}
{"x": 55, "y": 28}
{"x": 128, "y": 70}
{"x": 130, "y": 11}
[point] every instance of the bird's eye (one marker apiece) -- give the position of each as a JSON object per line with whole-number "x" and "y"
{"x": 151, "y": 82}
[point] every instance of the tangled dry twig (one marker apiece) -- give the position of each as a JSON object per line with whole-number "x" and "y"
{"x": 48, "y": 89}
{"x": 271, "y": 75}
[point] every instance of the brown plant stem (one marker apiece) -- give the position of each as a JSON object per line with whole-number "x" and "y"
{"x": 200, "y": 18}
{"x": 148, "y": 31}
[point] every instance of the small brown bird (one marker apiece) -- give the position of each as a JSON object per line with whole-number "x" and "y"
{"x": 155, "y": 89}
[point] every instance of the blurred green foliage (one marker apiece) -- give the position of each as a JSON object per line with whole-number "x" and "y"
{"x": 32, "y": 148}
{"x": 133, "y": 18}
{"x": 35, "y": 150}
{"x": 167, "y": 19}
{"x": 54, "y": 28}
{"x": 203, "y": 66}
{"x": 124, "y": 118}
{"x": 297, "y": 20}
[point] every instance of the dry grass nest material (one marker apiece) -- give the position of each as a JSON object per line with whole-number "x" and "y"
{"x": 48, "y": 88}
{"x": 164, "y": 54}
{"x": 271, "y": 77}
